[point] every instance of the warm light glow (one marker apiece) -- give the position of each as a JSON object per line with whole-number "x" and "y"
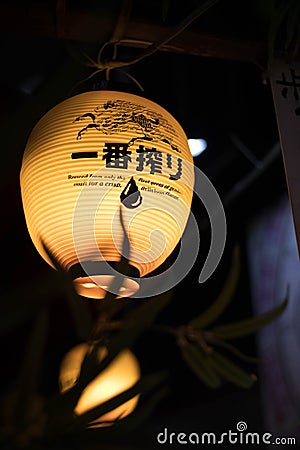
{"x": 87, "y": 158}
{"x": 98, "y": 289}
{"x": 121, "y": 374}
{"x": 89, "y": 285}
{"x": 197, "y": 146}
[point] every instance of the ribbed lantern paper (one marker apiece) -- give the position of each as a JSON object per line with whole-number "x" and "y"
{"x": 97, "y": 157}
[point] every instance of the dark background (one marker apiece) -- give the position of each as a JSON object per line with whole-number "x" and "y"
{"x": 221, "y": 93}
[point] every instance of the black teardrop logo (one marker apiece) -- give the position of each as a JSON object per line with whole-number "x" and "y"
{"x": 131, "y": 196}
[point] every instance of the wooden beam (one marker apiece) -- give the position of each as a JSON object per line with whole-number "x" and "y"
{"x": 86, "y": 26}
{"x": 196, "y": 43}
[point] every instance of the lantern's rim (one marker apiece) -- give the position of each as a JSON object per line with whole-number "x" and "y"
{"x": 95, "y": 279}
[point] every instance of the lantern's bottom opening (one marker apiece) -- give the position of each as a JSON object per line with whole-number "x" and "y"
{"x": 94, "y": 281}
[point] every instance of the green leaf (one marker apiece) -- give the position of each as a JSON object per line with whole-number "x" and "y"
{"x": 122, "y": 266}
{"x": 146, "y": 384}
{"x": 200, "y": 364}
{"x": 142, "y": 412}
{"x": 248, "y": 326}
{"x": 224, "y": 298}
{"x": 135, "y": 323}
{"x": 91, "y": 367}
{"x": 81, "y": 314}
{"x": 214, "y": 341}
{"x": 231, "y": 372}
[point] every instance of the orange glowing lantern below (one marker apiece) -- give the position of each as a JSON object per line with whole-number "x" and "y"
{"x": 121, "y": 374}
{"x": 92, "y": 155}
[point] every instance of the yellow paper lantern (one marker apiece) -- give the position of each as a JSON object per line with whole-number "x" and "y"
{"x": 91, "y": 156}
{"x": 121, "y": 374}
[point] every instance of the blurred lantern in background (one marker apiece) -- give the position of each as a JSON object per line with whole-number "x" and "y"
{"x": 91, "y": 158}
{"x": 121, "y": 374}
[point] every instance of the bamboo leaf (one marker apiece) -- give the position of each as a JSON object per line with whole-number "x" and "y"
{"x": 122, "y": 266}
{"x": 146, "y": 384}
{"x": 231, "y": 372}
{"x": 134, "y": 324}
{"x": 91, "y": 367}
{"x": 230, "y": 348}
{"x": 147, "y": 312}
{"x": 141, "y": 414}
{"x": 248, "y": 326}
{"x": 124, "y": 339}
{"x": 224, "y": 298}
{"x": 200, "y": 364}
{"x": 81, "y": 314}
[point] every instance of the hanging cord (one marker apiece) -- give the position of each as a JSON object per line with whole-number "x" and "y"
{"x": 107, "y": 65}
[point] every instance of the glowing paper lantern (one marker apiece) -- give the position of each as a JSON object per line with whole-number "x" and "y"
{"x": 121, "y": 374}
{"x": 92, "y": 155}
